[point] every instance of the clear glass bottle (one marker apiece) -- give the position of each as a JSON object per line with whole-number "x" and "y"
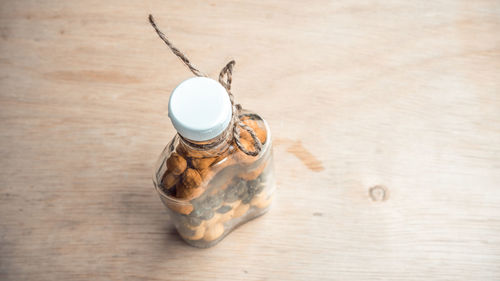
{"x": 210, "y": 186}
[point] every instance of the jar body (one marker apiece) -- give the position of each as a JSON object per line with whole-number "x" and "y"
{"x": 211, "y": 189}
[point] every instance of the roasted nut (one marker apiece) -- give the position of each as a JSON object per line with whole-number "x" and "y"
{"x": 191, "y": 153}
{"x": 181, "y": 208}
{"x": 201, "y": 213}
{"x": 224, "y": 209}
{"x": 226, "y": 216}
{"x": 214, "y": 219}
{"x": 221, "y": 187}
{"x": 261, "y": 200}
{"x": 184, "y": 231}
{"x": 194, "y": 233}
{"x": 247, "y": 197}
{"x": 223, "y": 160}
{"x": 213, "y": 202}
{"x": 263, "y": 203}
{"x": 253, "y": 174}
{"x": 257, "y": 199}
{"x": 176, "y": 164}
{"x": 187, "y": 193}
{"x": 228, "y": 206}
{"x": 235, "y": 191}
{"x": 191, "y": 178}
{"x": 169, "y": 180}
{"x": 189, "y": 188}
{"x": 181, "y": 150}
{"x": 256, "y": 185}
{"x": 241, "y": 210}
{"x": 206, "y": 174}
{"x": 190, "y": 221}
{"x": 202, "y": 163}
{"x": 216, "y": 163}
{"x": 199, "y": 233}
{"x": 213, "y": 232}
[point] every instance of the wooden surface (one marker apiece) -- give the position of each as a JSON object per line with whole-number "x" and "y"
{"x": 385, "y": 115}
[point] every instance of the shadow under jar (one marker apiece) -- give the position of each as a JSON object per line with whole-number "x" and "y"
{"x": 210, "y": 186}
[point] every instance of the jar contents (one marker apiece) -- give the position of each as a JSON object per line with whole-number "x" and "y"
{"x": 211, "y": 188}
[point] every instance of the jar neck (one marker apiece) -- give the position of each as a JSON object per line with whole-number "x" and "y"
{"x": 212, "y": 147}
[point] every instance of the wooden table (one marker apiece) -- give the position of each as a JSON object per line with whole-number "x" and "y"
{"x": 385, "y": 117}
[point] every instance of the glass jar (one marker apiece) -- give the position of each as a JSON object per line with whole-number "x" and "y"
{"x": 210, "y": 187}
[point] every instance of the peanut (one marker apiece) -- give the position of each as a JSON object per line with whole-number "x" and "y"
{"x": 184, "y": 208}
{"x": 264, "y": 203}
{"x": 187, "y": 193}
{"x": 254, "y": 173}
{"x": 191, "y": 178}
{"x": 202, "y": 163}
{"x": 214, "y": 219}
{"x": 199, "y": 232}
{"x": 261, "y": 200}
{"x": 169, "y": 180}
{"x": 176, "y": 164}
{"x": 226, "y": 216}
{"x": 191, "y": 153}
{"x": 241, "y": 210}
{"x": 213, "y": 232}
{"x": 229, "y": 214}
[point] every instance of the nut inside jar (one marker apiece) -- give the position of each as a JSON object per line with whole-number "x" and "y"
{"x": 211, "y": 191}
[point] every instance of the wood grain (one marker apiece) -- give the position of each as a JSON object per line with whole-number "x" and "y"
{"x": 397, "y": 103}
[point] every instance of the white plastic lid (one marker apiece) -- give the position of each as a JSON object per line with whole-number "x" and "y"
{"x": 199, "y": 108}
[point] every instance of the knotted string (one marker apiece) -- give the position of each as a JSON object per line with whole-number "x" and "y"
{"x": 225, "y": 79}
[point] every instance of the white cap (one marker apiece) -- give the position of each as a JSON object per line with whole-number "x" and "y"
{"x": 200, "y": 109}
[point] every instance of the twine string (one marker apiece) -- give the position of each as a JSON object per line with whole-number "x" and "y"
{"x": 227, "y": 72}
{"x": 174, "y": 50}
{"x": 225, "y": 79}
